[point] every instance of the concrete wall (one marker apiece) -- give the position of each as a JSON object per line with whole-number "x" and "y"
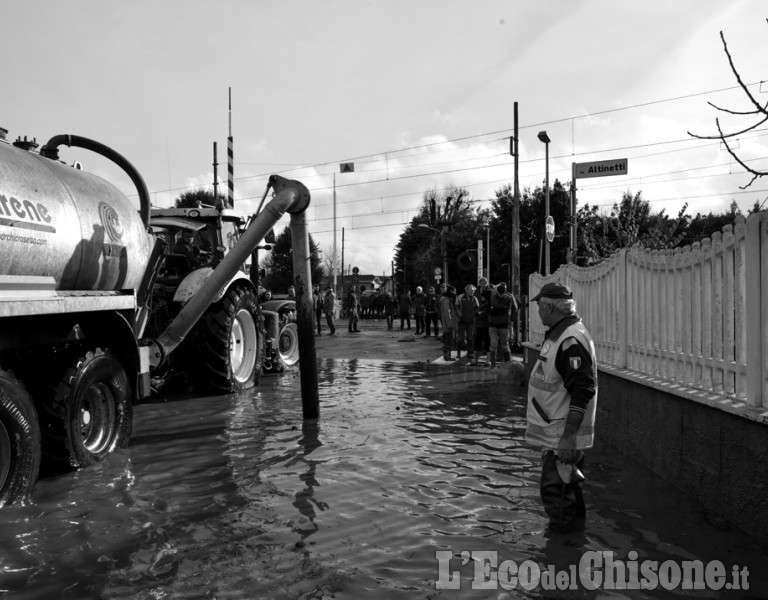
{"x": 719, "y": 458}
{"x": 712, "y": 450}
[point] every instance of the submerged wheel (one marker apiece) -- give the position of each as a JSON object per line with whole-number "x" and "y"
{"x": 89, "y": 414}
{"x": 19, "y": 441}
{"x": 229, "y": 345}
{"x": 288, "y": 345}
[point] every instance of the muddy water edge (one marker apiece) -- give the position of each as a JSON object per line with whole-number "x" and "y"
{"x": 237, "y": 497}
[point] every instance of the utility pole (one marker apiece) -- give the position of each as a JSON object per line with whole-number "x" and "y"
{"x": 215, "y": 176}
{"x": 345, "y": 167}
{"x": 515, "y": 266}
{"x": 488, "y": 252}
{"x": 333, "y": 262}
{"x": 544, "y": 139}
{"x": 342, "y": 260}
{"x": 572, "y": 238}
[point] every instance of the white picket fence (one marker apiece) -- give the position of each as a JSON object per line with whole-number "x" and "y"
{"x": 696, "y": 317}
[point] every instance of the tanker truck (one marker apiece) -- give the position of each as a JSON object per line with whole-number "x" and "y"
{"x": 93, "y": 309}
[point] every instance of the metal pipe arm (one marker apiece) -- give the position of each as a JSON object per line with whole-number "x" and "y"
{"x": 292, "y": 197}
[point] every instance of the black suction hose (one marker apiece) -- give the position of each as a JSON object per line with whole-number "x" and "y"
{"x": 51, "y": 150}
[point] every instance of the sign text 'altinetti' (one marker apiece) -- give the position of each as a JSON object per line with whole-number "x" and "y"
{"x": 601, "y": 168}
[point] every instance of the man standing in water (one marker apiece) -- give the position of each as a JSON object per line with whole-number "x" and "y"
{"x": 562, "y": 397}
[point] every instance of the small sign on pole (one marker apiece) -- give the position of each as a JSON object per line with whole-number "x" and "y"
{"x": 550, "y": 229}
{"x": 347, "y": 167}
{"x": 600, "y": 168}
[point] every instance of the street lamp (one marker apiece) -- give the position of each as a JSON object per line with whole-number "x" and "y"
{"x": 442, "y": 248}
{"x": 543, "y": 137}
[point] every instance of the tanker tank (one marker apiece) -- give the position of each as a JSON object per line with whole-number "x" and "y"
{"x": 59, "y": 221}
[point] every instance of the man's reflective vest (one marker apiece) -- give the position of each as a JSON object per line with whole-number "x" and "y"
{"x": 549, "y": 401}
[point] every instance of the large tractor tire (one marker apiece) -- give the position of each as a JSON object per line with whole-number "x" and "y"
{"x": 19, "y": 441}
{"x": 87, "y": 412}
{"x": 229, "y": 344}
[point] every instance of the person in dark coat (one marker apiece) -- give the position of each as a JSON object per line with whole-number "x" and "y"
{"x": 317, "y": 305}
{"x": 405, "y": 309}
{"x": 390, "y": 307}
{"x": 500, "y": 308}
{"x": 431, "y": 312}
{"x": 353, "y": 306}
{"x": 482, "y": 338}
{"x": 419, "y": 309}
{"x": 329, "y": 306}
{"x": 449, "y": 319}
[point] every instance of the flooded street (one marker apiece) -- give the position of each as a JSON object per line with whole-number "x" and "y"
{"x": 233, "y": 497}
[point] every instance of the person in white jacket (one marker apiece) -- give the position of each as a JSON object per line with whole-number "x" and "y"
{"x": 562, "y": 400}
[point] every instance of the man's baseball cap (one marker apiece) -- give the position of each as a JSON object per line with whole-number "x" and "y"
{"x": 553, "y": 290}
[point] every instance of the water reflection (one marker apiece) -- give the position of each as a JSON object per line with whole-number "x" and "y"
{"x": 236, "y": 497}
{"x": 304, "y": 500}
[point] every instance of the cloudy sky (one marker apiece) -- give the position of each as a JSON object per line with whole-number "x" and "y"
{"x": 418, "y": 94}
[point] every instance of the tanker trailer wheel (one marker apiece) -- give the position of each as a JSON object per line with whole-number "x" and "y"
{"x": 19, "y": 441}
{"x": 288, "y": 345}
{"x": 229, "y": 344}
{"x": 89, "y": 414}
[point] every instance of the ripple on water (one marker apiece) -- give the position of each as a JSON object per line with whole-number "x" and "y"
{"x": 236, "y": 497}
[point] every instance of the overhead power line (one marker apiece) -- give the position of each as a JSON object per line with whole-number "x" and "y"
{"x": 432, "y": 145}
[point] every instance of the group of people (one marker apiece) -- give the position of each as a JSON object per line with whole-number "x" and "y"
{"x": 477, "y": 320}
{"x": 324, "y": 304}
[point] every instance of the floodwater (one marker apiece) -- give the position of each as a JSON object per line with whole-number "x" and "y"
{"x": 233, "y": 497}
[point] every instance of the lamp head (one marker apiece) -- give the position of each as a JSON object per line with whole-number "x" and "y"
{"x": 543, "y": 137}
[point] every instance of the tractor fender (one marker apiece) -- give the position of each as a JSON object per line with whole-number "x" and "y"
{"x": 194, "y": 281}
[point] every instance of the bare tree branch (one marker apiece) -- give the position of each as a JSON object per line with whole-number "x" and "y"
{"x": 755, "y": 174}
{"x": 738, "y": 77}
{"x": 740, "y": 113}
{"x": 724, "y": 137}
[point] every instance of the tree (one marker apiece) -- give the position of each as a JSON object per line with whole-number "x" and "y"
{"x": 278, "y": 264}
{"x": 197, "y": 198}
{"x": 332, "y": 263}
{"x": 631, "y": 221}
{"x": 451, "y": 219}
{"x": 755, "y": 116}
{"x": 702, "y": 226}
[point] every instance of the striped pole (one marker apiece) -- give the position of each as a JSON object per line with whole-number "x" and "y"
{"x": 215, "y": 173}
{"x": 230, "y": 159}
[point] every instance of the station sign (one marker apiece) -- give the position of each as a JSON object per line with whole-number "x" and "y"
{"x": 601, "y": 168}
